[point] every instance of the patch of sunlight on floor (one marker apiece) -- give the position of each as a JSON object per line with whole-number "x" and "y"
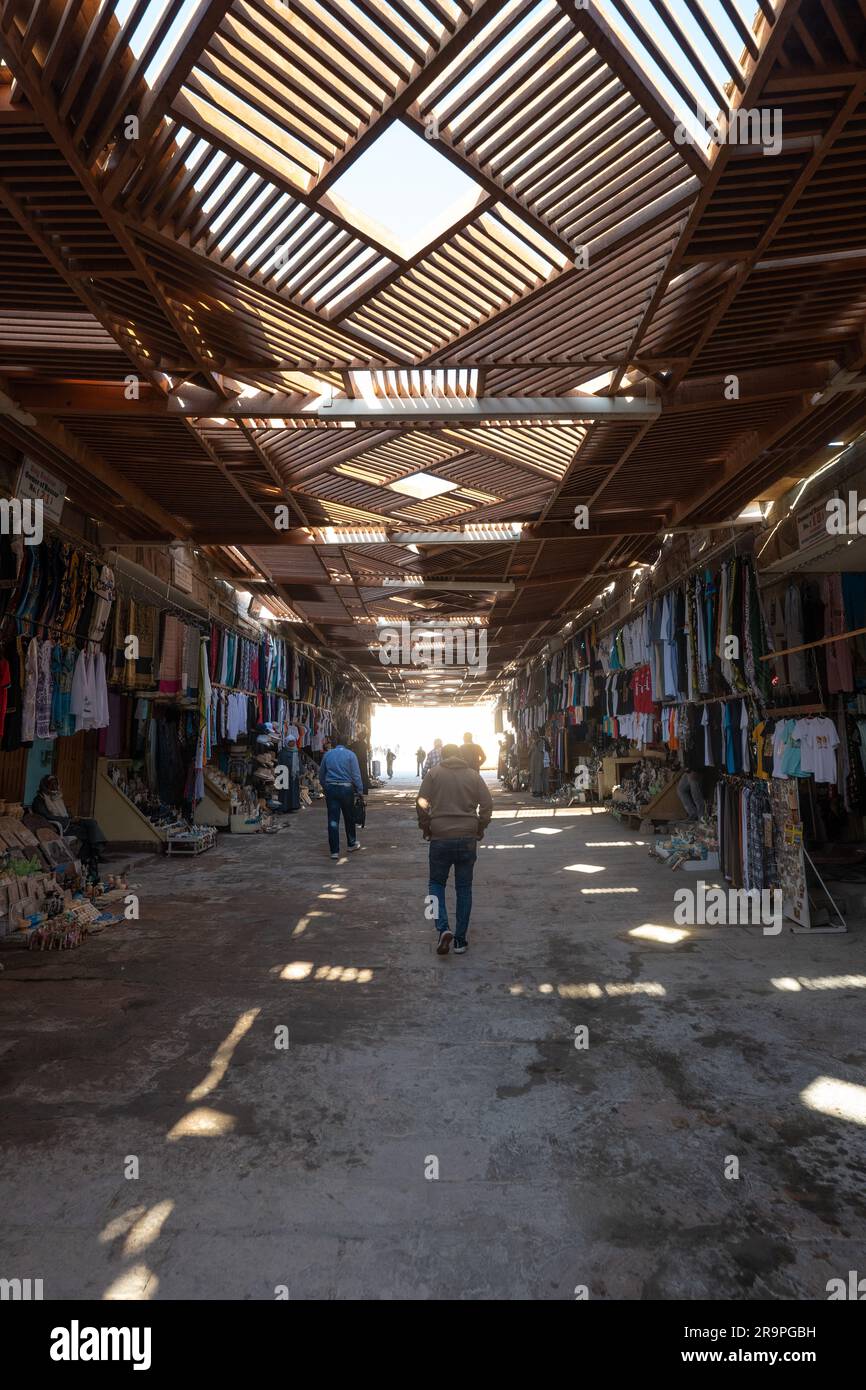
{"x": 121, "y": 1225}
{"x": 842, "y": 1099}
{"x": 296, "y": 970}
{"x": 789, "y": 984}
{"x": 610, "y": 844}
{"x": 303, "y": 922}
{"x": 202, "y": 1123}
{"x": 346, "y": 974}
{"x": 664, "y": 936}
{"x": 506, "y": 846}
{"x": 589, "y": 891}
{"x": 304, "y": 969}
{"x": 590, "y": 990}
{"x": 584, "y": 868}
{"x": 147, "y": 1228}
{"x": 223, "y": 1056}
{"x": 135, "y": 1285}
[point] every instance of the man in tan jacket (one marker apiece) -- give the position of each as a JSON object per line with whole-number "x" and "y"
{"x": 454, "y": 809}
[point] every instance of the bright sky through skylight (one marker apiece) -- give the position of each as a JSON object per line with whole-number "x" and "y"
{"x": 654, "y": 24}
{"x": 152, "y": 14}
{"x": 404, "y": 185}
{"x": 676, "y": 55}
{"x": 422, "y": 486}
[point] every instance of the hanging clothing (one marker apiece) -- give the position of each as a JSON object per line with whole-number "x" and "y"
{"x": 818, "y": 740}
{"x": 840, "y": 674}
{"x": 31, "y": 682}
{"x": 83, "y": 700}
{"x": 44, "y": 691}
{"x": 171, "y": 654}
{"x": 794, "y": 637}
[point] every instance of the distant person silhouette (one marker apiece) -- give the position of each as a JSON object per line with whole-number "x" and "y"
{"x": 472, "y": 754}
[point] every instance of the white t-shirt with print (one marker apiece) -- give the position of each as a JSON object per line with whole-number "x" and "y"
{"x": 818, "y": 739}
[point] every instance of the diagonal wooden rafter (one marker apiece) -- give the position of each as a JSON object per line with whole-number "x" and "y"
{"x": 208, "y": 18}
{"x": 746, "y": 267}
{"x": 58, "y": 437}
{"x": 606, "y": 43}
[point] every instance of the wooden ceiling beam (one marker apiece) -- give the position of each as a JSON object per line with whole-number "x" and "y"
{"x": 59, "y": 438}
{"x": 607, "y": 44}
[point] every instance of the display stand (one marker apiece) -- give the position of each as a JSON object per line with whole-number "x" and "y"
{"x": 119, "y": 818}
{"x": 186, "y": 843}
{"x": 665, "y": 806}
{"x": 827, "y": 927}
{"x": 215, "y": 807}
{"x": 792, "y": 858}
{"x": 610, "y": 773}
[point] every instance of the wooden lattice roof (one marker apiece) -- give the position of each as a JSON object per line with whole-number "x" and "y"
{"x": 566, "y": 336}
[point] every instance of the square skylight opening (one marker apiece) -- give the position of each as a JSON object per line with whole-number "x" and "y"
{"x": 422, "y": 486}
{"x": 403, "y": 192}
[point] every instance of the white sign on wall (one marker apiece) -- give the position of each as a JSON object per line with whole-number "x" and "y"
{"x": 36, "y": 482}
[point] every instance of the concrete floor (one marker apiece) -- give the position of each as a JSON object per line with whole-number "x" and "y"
{"x": 304, "y": 1168}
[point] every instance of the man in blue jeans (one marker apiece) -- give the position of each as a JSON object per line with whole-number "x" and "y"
{"x": 454, "y": 809}
{"x": 340, "y": 776}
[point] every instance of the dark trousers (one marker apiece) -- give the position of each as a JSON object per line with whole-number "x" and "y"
{"x": 462, "y": 854}
{"x": 337, "y": 800}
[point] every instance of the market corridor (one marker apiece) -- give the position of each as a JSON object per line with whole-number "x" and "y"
{"x": 309, "y": 1169}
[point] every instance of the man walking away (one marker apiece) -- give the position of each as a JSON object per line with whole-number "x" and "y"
{"x": 471, "y": 754}
{"x": 454, "y": 809}
{"x": 434, "y": 757}
{"x": 340, "y": 776}
{"x": 420, "y": 755}
{"x": 389, "y": 759}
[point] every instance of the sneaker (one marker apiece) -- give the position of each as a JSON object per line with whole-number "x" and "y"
{"x": 444, "y": 946}
{"x": 461, "y": 947}
{"x": 356, "y": 845}
{"x": 335, "y": 856}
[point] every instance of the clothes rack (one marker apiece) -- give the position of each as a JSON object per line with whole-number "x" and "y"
{"x": 819, "y": 642}
{"x": 640, "y": 602}
{"x": 791, "y": 711}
